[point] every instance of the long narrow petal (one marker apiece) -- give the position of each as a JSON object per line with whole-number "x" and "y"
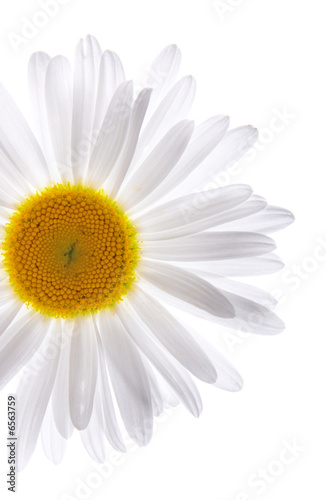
{"x": 129, "y": 379}
{"x": 82, "y": 372}
{"x": 19, "y": 145}
{"x": 191, "y": 213}
{"x": 233, "y": 146}
{"x": 87, "y": 62}
{"x": 54, "y": 445}
{"x": 248, "y": 266}
{"x": 111, "y": 426}
{"x": 187, "y": 287}
{"x": 242, "y": 210}
{"x": 175, "y": 375}
{"x": 188, "y": 220}
{"x": 162, "y": 73}
{"x": 209, "y": 246}
{"x": 123, "y": 163}
{"x": 6, "y": 291}
{"x": 157, "y": 165}
{"x": 92, "y": 436}
{"x": 58, "y": 97}
{"x": 37, "y": 68}
{"x": 10, "y": 177}
{"x": 172, "y": 109}
{"x": 253, "y": 317}
{"x": 111, "y": 75}
{"x": 171, "y": 334}
{"x": 244, "y": 297}
{"x": 238, "y": 288}
{"x": 156, "y": 394}
{"x": 228, "y": 378}
{"x": 269, "y": 220}
{"x": 163, "y": 396}
{"x": 248, "y": 316}
{"x": 33, "y": 394}
{"x": 205, "y": 138}
{"x": 19, "y": 342}
{"x": 6, "y": 200}
{"x": 8, "y": 313}
{"x": 182, "y": 218}
{"x": 60, "y": 393}
{"x": 112, "y": 135}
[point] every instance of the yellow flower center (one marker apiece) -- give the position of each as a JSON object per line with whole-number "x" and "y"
{"x": 70, "y": 250}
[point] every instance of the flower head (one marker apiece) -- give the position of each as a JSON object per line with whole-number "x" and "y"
{"x": 106, "y": 220}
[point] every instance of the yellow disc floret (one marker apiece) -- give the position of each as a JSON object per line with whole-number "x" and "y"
{"x": 70, "y": 250}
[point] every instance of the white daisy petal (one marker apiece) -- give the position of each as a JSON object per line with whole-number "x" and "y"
{"x": 173, "y": 336}
{"x": 92, "y": 436}
{"x": 163, "y": 72}
{"x": 54, "y": 445}
{"x": 244, "y": 297}
{"x": 252, "y": 317}
{"x": 234, "y": 145}
{"x": 112, "y": 135}
{"x": 19, "y": 144}
{"x": 242, "y": 212}
{"x": 86, "y": 69}
{"x": 174, "y": 374}
{"x": 122, "y": 165}
{"x": 111, "y": 426}
{"x": 187, "y": 287}
{"x": 8, "y": 313}
{"x": 37, "y": 68}
{"x": 156, "y": 394}
{"x": 6, "y": 200}
{"x": 82, "y": 372}
{"x": 18, "y": 344}
{"x": 170, "y": 398}
{"x": 269, "y": 220}
{"x": 228, "y": 378}
{"x": 6, "y": 292}
{"x": 182, "y": 218}
{"x": 205, "y": 138}
{"x": 129, "y": 379}
{"x": 209, "y": 246}
{"x": 163, "y": 395}
{"x": 60, "y": 393}
{"x": 12, "y": 178}
{"x": 33, "y": 394}
{"x": 191, "y": 213}
{"x": 3, "y": 277}
{"x": 248, "y": 316}
{"x": 173, "y": 108}
{"x": 237, "y": 287}
{"x": 58, "y": 98}
{"x": 157, "y": 165}
{"x": 248, "y": 266}
{"x": 111, "y": 75}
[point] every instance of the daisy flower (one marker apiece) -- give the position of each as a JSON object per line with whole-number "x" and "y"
{"x": 109, "y": 216}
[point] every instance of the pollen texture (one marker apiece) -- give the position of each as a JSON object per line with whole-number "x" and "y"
{"x": 70, "y": 250}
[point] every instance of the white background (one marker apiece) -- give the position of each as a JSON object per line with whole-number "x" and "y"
{"x": 253, "y": 60}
